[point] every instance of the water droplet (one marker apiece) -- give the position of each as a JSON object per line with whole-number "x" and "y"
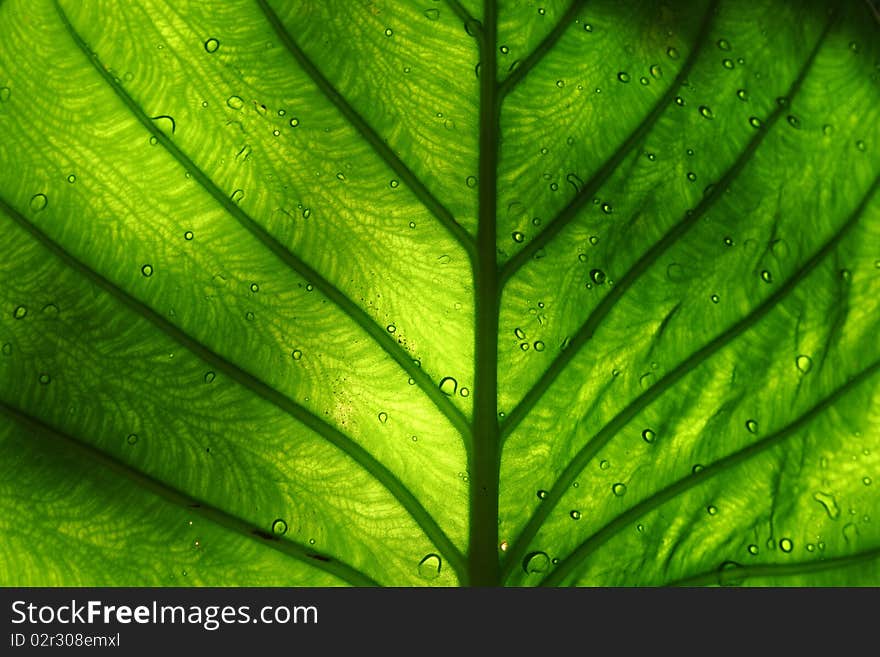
{"x": 255, "y": 288}
{"x": 829, "y": 503}
{"x": 706, "y": 112}
{"x": 785, "y": 544}
{"x": 804, "y": 363}
{"x": 147, "y": 270}
{"x": 715, "y": 298}
{"x": 20, "y": 312}
{"x": 391, "y": 328}
{"x": 276, "y": 133}
{"x": 296, "y": 354}
{"x": 712, "y": 510}
{"x": 753, "y": 549}
{"x": 623, "y": 76}
{"x": 794, "y": 121}
{"x": 39, "y": 202}
{"x": 727, "y": 63}
{"x": 448, "y": 385}
{"x": 464, "y": 392}
{"x": 249, "y": 316}
{"x": 645, "y": 81}
{"x": 211, "y": 45}
{"x": 646, "y": 380}
{"x": 594, "y": 240}
{"x": 71, "y": 178}
{"x": 648, "y": 435}
{"x": 188, "y": 235}
{"x": 619, "y": 489}
{"x": 154, "y": 140}
{"x": 724, "y": 44}
{"x": 860, "y": 145}
{"x": 827, "y": 129}
{"x": 766, "y": 276}
{"x": 132, "y": 438}
{"x": 850, "y": 532}
{"x": 866, "y": 481}
{"x": 279, "y": 527}
{"x": 672, "y": 53}
{"x": 539, "y": 346}
{"x": 755, "y": 122}
{"x": 518, "y": 236}
{"x": 536, "y": 562}
{"x": 388, "y": 31}
{"x": 7, "y": 349}
{"x": 606, "y": 208}
{"x": 542, "y": 495}
{"x": 5, "y": 93}
{"x": 588, "y": 27}
{"x": 730, "y": 574}
{"x": 504, "y": 50}
{"x": 575, "y": 514}
{"x": 237, "y": 195}
{"x": 560, "y": 83}
{"x": 432, "y": 14}
{"x": 44, "y": 379}
{"x": 656, "y": 72}
{"x": 752, "y": 426}
{"x": 597, "y": 276}
{"x": 742, "y": 94}
{"x": 383, "y": 417}
{"x": 679, "y": 101}
{"x": 429, "y": 566}
{"x": 697, "y": 468}
{"x": 524, "y": 346}
{"x": 209, "y": 377}
{"x": 604, "y": 464}
{"x": 235, "y": 102}
{"x": 691, "y": 176}
{"x": 519, "y": 333}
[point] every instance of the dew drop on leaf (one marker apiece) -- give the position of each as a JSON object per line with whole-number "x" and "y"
{"x": 542, "y": 494}
{"x": 429, "y": 566}
{"x": 672, "y": 53}
{"x": 604, "y": 464}
{"x": 389, "y": 32}
{"x": 132, "y": 438}
{"x": 755, "y": 122}
{"x": 20, "y": 312}
{"x": 706, "y": 112}
{"x": 448, "y": 385}
{"x": 383, "y": 417}
{"x": 619, "y": 489}
{"x": 536, "y": 562}
{"x": 606, "y": 208}
{"x": 866, "y": 481}
{"x": 597, "y": 276}
{"x": 785, "y": 544}
{"x": 39, "y": 202}
{"x": 712, "y": 510}
{"x": 724, "y": 44}
{"x": 44, "y": 379}
{"x": 237, "y": 195}
{"x": 727, "y": 63}
{"x": 294, "y": 122}
{"x": 279, "y": 527}
{"x": 211, "y": 45}
{"x": 518, "y": 236}
{"x": 147, "y": 270}
{"x": 829, "y": 503}
{"x": 804, "y": 363}
{"x": 296, "y": 354}
{"x": 753, "y": 549}
{"x": 432, "y": 14}
{"x": 539, "y": 346}
{"x": 850, "y": 532}
{"x": 730, "y": 574}
{"x": 574, "y": 514}
{"x": 742, "y": 94}
{"x": 209, "y": 377}
{"x": 860, "y": 145}
{"x": 623, "y": 76}
{"x": 648, "y": 435}
{"x": 464, "y": 392}
{"x": 752, "y": 426}
{"x": 766, "y": 276}
{"x": 715, "y": 298}
{"x": 6, "y": 350}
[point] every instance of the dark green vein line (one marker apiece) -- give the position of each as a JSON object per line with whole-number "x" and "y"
{"x": 181, "y": 499}
{"x": 328, "y": 432}
{"x": 378, "y": 333}
{"x": 711, "y": 470}
{"x": 570, "y": 211}
{"x": 742, "y": 573}
{"x": 611, "y": 429}
{"x": 434, "y": 206}
{"x": 546, "y": 45}
{"x": 459, "y": 10}
{"x": 485, "y": 461}
{"x": 691, "y": 217}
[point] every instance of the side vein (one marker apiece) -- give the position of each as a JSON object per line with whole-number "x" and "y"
{"x": 569, "y": 212}
{"x": 443, "y": 215}
{"x": 346, "y": 305}
{"x": 546, "y": 45}
{"x": 691, "y": 217}
{"x": 607, "y": 432}
{"x": 179, "y": 498}
{"x": 328, "y": 432}
{"x": 711, "y": 470}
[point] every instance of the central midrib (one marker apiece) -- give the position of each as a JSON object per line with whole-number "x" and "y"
{"x": 483, "y": 566}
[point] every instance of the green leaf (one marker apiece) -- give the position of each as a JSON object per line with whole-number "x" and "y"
{"x": 391, "y": 293}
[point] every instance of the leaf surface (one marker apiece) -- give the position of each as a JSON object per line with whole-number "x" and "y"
{"x": 393, "y": 293}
